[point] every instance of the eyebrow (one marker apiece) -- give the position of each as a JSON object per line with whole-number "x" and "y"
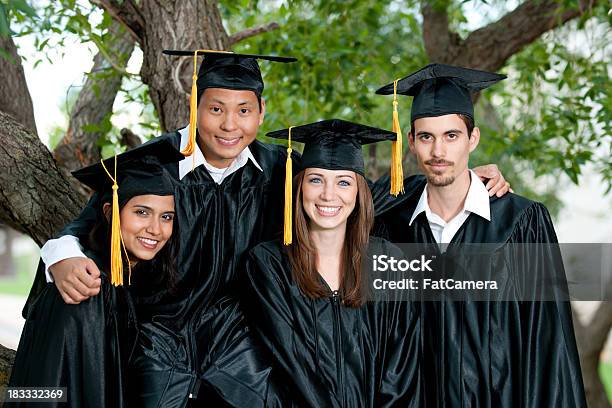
{"x": 146, "y": 207}
{"x": 220, "y": 102}
{"x": 424, "y": 132}
{"x": 338, "y": 176}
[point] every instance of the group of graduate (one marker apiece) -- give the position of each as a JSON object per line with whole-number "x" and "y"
{"x": 212, "y": 269}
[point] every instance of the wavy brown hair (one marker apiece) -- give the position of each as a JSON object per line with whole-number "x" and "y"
{"x": 302, "y": 253}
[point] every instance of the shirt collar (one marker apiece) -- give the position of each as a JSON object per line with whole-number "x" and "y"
{"x": 476, "y": 201}
{"x": 197, "y": 159}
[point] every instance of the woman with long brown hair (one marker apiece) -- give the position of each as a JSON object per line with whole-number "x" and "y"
{"x": 307, "y": 297}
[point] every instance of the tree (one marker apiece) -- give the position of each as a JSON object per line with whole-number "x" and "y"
{"x": 347, "y": 49}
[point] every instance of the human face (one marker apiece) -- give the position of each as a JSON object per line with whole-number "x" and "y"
{"x": 228, "y": 121}
{"x": 328, "y": 197}
{"x": 146, "y": 225}
{"x": 442, "y": 147}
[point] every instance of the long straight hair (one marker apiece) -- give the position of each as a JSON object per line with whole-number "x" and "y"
{"x": 303, "y": 256}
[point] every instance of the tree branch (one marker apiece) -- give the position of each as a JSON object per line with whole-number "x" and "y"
{"x": 94, "y": 106}
{"x": 437, "y": 36}
{"x": 127, "y": 13}
{"x": 36, "y": 198}
{"x": 15, "y": 97}
{"x": 514, "y": 31}
{"x": 251, "y": 32}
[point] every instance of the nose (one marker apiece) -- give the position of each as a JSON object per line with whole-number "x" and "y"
{"x": 438, "y": 149}
{"x": 327, "y": 193}
{"x": 154, "y": 226}
{"x": 229, "y": 122}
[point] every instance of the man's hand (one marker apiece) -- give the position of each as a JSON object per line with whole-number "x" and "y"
{"x": 496, "y": 183}
{"x": 77, "y": 279}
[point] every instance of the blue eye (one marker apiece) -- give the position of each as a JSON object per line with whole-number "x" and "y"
{"x": 315, "y": 180}
{"x": 344, "y": 183}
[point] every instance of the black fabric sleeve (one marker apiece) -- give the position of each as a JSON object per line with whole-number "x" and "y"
{"x": 551, "y": 367}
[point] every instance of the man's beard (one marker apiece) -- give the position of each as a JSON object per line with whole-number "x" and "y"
{"x": 438, "y": 179}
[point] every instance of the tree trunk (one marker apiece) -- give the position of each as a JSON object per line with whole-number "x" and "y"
{"x": 14, "y": 95}
{"x": 7, "y": 266}
{"x": 94, "y": 106}
{"x": 36, "y": 198}
{"x": 591, "y": 339}
{"x": 7, "y": 356}
{"x": 182, "y": 25}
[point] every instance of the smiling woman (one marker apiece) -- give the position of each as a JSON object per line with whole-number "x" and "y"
{"x": 308, "y": 302}
{"x": 85, "y": 347}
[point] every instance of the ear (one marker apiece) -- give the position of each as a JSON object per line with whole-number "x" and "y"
{"x": 262, "y": 113}
{"x": 474, "y": 139}
{"x": 411, "y": 141}
{"x": 106, "y": 210}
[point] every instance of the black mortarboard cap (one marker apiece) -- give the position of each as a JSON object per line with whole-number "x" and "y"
{"x": 222, "y": 69}
{"x": 229, "y": 70}
{"x": 139, "y": 171}
{"x": 440, "y": 89}
{"x": 334, "y": 144}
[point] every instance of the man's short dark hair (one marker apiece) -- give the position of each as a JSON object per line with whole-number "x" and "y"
{"x": 468, "y": 120}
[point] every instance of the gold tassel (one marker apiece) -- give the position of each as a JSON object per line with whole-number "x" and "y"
{"x": 116, "y": 262}
{"x": 287, "y": 232}
{"x": 397, "y": 172}
{"x": 193, "y": 110}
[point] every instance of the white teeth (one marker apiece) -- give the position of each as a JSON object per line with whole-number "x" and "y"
{"x": 328, "y": 210}
{"x": 148, "y": 241}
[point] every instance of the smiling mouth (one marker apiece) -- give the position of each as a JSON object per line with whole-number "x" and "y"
{"x": 225, "y": 141}
{"x": 327, "y": 211}
{"x": 148, "y": 242}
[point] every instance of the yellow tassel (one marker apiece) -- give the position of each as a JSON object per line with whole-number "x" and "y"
{"x": 397, "y": 172}
{"x": 287, "y": 232}
{"x": 193, "y": 110}
{"x": 116, "y": 262}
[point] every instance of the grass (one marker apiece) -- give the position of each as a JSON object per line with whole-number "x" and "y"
{"x": 21, "y": 283}
{"x": 605, "y": 373}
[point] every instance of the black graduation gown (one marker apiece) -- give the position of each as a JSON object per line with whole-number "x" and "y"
{"x": 83, "y": 347}
{"x": 197, "y": 332}
{"x": 330, "y": 355}
{"x": 496, "y": 353}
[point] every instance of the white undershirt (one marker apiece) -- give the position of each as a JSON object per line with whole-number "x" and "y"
{"x": 476, "y": 201}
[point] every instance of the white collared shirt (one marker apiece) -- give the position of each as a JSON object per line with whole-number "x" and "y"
{"x": 68, "y": 246}
{"x": 197, "y": 159}
{"x": 476, "y": 201}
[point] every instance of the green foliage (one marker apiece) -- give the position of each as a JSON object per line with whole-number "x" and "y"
{"x": 551, "y": 117}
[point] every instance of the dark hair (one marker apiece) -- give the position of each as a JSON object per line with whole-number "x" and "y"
{"x": 468, "y": 120}
{"x": 162, "y": 266}
{"x": 302, "y": 254}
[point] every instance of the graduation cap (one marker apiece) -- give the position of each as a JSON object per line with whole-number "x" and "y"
{"x": 332, "y": 144}
{"x": 136, "y": 172}
{"x": 222, "y": 69}
{"x": 440, "y": 89}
